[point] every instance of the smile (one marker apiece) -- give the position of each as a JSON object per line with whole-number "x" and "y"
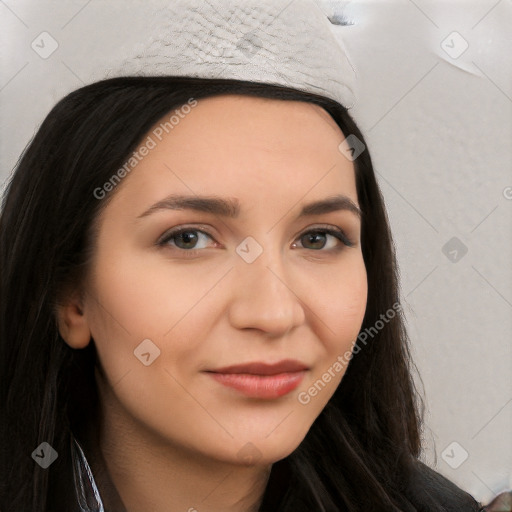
{"x": 261, "y": 386}
{"x": 262, "y": 380}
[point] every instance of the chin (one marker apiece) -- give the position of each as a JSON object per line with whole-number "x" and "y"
{"x": 263, "y": 450}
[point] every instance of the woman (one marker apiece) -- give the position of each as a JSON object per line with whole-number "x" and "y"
{"x": 115, "y": 328}
{"x": 191, "y": 269}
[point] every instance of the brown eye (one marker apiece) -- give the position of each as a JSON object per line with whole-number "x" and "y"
{"x": 318, "y": 239}
{"x": 184, "y": 238}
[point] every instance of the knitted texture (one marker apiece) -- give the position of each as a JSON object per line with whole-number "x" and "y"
{"x": 284, "y": 42}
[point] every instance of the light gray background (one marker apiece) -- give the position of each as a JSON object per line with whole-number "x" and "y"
{"x": 439, "y": 128}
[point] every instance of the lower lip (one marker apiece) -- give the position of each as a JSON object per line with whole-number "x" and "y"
{"x": 261, "y": 386}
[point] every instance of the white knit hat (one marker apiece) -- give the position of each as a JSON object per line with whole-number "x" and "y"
{"x": 285, "y": 42}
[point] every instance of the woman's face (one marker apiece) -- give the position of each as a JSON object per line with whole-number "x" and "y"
{"x": 249, "y": 281}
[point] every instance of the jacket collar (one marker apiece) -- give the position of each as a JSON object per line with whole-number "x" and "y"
{"x": 94, "y": 488}
{"x": 86, "y": 489}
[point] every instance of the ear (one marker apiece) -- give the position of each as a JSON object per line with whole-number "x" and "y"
{"x": 72, "y": 323}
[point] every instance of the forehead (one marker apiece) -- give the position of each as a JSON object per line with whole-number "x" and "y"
{"x": 274, "y": 125}
{"x": 247, "y": 147}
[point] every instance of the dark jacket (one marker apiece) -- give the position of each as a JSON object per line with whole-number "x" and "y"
{"x": 90, "y": 488}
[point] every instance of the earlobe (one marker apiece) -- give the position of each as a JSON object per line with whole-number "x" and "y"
{"x": 73, "y": 326}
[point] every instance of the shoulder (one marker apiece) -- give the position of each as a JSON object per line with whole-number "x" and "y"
{"x": 501, "y": 503}
{"x": 431, "y": 491}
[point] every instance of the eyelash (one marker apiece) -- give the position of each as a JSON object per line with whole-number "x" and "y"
{"x": 329, "y": 230}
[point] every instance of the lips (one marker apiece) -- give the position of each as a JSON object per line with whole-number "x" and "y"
{"x": 262, "y": 380}
{"x": 258, "y": 368}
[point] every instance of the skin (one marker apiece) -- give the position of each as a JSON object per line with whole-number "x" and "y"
{"x": 171, "y": 434}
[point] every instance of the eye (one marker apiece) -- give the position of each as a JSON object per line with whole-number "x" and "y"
{"x": 318, "y": 239}
{"x": 184, "y": 238}
{"x": 191, "y": 240}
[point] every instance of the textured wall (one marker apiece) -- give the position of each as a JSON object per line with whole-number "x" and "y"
{"x": 435, "y": 103}
{"x": 438, "y": 120}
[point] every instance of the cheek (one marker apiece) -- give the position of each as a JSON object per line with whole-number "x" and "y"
{"x": 138, "y": 298}
{"x": 150, "y": 295}
{"x": 340, "y": 308}
{"x": 341, "y": 305}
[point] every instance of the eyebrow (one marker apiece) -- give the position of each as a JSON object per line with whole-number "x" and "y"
{"x": 227, "y": 207}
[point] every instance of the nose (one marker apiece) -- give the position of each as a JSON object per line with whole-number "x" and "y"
{"x": 264, "y": 297}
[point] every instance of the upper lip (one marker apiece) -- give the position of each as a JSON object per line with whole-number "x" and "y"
{"x": 261, "y": 368}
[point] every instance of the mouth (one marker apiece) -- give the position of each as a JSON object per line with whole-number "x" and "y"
{"x": 262, "y": 380}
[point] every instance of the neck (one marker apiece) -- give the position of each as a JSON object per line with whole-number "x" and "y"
{"x": 150, "y": 473}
